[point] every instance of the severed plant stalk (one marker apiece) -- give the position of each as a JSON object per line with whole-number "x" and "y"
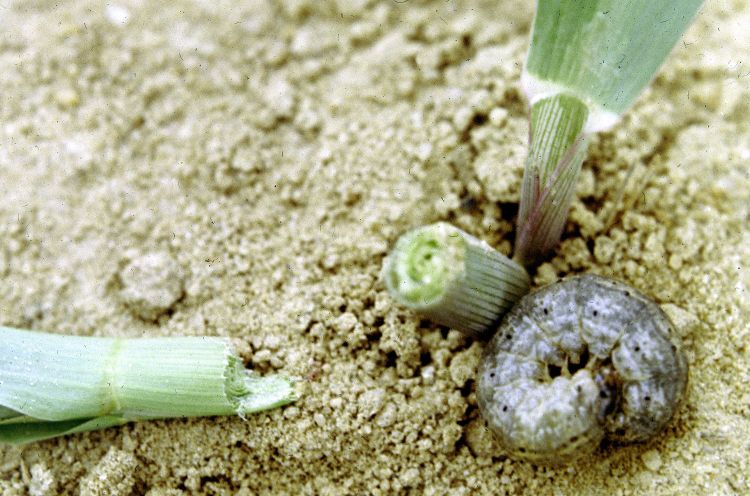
{"x": 52, "y": 385}
{"x": 453, "y": 278}
{"x": 587, "y": 62}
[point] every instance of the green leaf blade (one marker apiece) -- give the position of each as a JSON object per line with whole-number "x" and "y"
{"x": 52, "y": 385}
{"x": 602, "y": 51}
{"x": 56, "y": 378}
{"x": 27, "y": 432}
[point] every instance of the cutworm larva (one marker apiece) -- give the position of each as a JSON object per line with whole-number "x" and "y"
{"x": 575, "y": 362}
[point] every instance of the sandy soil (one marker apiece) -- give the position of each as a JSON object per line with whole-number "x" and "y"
{"x": 266, "y": 155}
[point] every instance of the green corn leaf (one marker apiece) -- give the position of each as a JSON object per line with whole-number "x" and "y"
{"x": 604, "y": 52}
{"x": 34, "y": 430}
{"x": 588, "y": 61}
{"x": 53, "y": 384}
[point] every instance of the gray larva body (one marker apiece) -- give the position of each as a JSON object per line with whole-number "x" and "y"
{"x": 577, "y": 361}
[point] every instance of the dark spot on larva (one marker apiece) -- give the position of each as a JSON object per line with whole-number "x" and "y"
{"x": 627, "y": 293}
{"x": 596, "y": 313}
{"x": 647, "y": 398}
{"x": 574, "y": 439}
{"x": 508, "y": 336}
{"x": 637, "y": 348}
{"x": 579, "y": 388}
{"x": 492, "y": 375}
{"x": 603, "y": 394}
{"x": 546, "y": 311}
{"x": 505, "y": 408}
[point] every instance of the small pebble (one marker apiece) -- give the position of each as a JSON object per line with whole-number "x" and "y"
{"x": 345, "y": 322}
{"x": 371, "y": 401}
{"x": 280, "y": 98}
{"x": 42, "y": 481}
{"x": 652, "y": 460}
{"x": 67, "y": 97}
{"x": 114, "y": 475}
{"x": 387, "y": 417}
{"x": 498, "y": 116}
{"x": 464, "y": 365}
{"x": 151, "y": 284}
{"x": 117, "y": 14}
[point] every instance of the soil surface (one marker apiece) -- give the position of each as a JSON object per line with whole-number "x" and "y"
{"x": 241, "y": 169}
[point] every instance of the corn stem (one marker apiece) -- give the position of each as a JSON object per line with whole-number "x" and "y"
{"x": 558, "y": 147}
{"x": 588, "y": 60}
{"x": 453, "y": 278}
{"x": 51, "y": 385}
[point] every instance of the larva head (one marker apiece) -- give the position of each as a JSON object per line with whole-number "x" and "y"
{"x": 577, "y": 361}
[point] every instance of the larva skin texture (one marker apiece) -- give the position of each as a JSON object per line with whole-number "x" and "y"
{"x": 576, "y": 361}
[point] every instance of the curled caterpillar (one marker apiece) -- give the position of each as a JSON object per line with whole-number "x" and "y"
{"x": 576, "y": 361}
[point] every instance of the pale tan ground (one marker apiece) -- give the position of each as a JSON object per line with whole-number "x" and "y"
{"x": 268, "y": 154}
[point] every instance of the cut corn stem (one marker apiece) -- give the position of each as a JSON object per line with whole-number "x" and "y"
{"x": 51, "y": 385}
{"x": 453, "y": 278}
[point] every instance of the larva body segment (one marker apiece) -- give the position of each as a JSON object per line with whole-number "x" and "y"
{"x": 574, "y": 362}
